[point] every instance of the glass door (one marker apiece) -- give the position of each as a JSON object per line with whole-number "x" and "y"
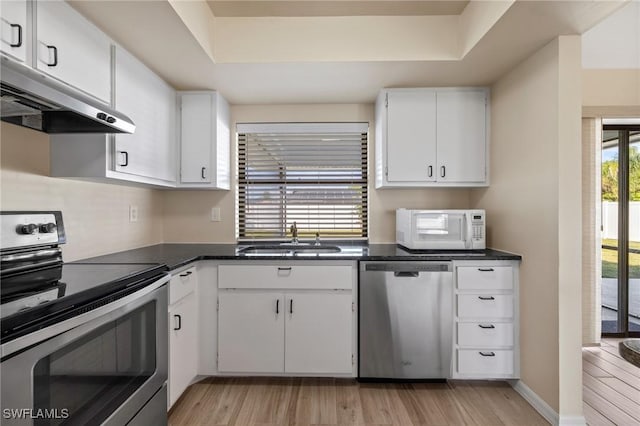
{"x": 620, "y": 231}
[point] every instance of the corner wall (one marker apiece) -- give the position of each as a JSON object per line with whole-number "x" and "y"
{"x": 534, "y": 206}
{"x": 89, "y": 209}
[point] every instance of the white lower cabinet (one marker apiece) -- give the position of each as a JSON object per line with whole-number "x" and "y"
{"x": 251, "y": 332}
{"x": 183, "y": 333}
{"x": 310, "y": 331}
{"x": 486, "y": 344}
{"x": 318, "y": 335}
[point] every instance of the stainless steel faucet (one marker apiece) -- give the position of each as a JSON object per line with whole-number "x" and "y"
{"x": 294, "y": 233}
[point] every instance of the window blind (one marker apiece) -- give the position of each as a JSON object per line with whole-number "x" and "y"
{"x": 316, "y": 178}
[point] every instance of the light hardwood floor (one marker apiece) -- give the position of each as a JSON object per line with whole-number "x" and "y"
{"x": 611, "y": 386}
{"x": 313, "y": 401}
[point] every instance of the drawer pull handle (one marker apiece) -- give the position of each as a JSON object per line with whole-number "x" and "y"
{"x": 186, "y": 274}
{"x": 486, "y": 298}
{"x": 280, "y": 268}
{"x": 291, "y": 306}
{"x": 179, "y": 318}
{"x": 486, "y": 326}
{"x": 487, "y": 353}
{"x": 485, "y": 269}
{"x": 277, "y": 306}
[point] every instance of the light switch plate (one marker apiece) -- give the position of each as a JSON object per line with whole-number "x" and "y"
{"x": 133, "y": 213}
{"x": 215, "y": 214}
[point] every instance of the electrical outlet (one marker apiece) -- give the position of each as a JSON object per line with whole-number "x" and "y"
{"x": 215, "y": 214}
{"x": 133, "y": 213}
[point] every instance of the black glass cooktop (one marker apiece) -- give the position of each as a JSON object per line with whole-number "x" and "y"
{"x": 79, "y": 285}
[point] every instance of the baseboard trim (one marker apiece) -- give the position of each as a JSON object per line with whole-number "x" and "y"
{"x": 572, "y": 421}
{"x": 538, "y": 403}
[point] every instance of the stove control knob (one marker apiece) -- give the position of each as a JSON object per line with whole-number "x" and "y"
{"x": 27, "y": 229}
{"x": 47, "y": 228}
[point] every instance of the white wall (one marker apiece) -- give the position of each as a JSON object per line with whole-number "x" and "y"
{"x": 534, "y": 208}
{"x": 615, "y": 42}
{"x": 90, "y": 210}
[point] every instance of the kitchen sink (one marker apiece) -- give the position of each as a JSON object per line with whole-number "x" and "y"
{"x": 290, "y": 248}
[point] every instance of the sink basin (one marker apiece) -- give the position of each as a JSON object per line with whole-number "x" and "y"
{"x": 289, "y": 248}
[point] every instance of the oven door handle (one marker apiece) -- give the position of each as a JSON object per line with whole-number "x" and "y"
{"x": 85, "y": 321}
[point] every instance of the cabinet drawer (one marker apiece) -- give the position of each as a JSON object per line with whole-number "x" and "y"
{"x": 485, "y": 363}
{"x": 485, "y": 277}
{"x": 485, "y": 306}
{"x": 485, "y": 334}
{"x": 182, "y": 284}
{"x": 285, "y": 276}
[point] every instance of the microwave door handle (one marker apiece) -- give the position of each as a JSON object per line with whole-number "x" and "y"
{"x": 468, "y": 231}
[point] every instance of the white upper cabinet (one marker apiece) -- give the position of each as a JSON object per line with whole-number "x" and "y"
{"x": 146, "y": 157}
{"x": 13, "y": 33}
{"x": 151, "y": 104}
{"x": 411, "y": 125}
{"x": 204, "y": 141}
{"x": 461, "y": 133}
{"x": 71, "y": 49}
{"x": 432, "y": 137}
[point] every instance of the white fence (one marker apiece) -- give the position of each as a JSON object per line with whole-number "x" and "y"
{"x": 610, "y": 220}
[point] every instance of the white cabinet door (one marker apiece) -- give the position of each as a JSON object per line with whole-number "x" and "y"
{"x": 461, "y": 135}
{"x": 151, "y": 104}
{"x": 250, "y": 332}
{"x": 411, "y": 136}
{"x": 196, "y": 137}
{"x": 318, "y": 333}
{"x": 13, "y": 33}
{"x": 72, "y": 49}
{"x": 183, "y": 345}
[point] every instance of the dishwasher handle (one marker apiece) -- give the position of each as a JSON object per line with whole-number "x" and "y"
{"x": 405, "y": 267}
{"x": 406, "y": 274}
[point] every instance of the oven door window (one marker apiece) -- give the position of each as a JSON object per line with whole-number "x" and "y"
{"x": 94, "y": 374}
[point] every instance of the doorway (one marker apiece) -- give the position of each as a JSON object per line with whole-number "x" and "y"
{"x": 620, "y": 191}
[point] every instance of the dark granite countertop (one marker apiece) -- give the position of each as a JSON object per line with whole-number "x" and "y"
{"x": 177, "y": 255}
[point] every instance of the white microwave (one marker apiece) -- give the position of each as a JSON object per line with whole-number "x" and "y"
{"x": 441, "y": 229}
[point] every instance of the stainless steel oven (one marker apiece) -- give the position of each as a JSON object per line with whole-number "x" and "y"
{"x": 80, "y": 344}
{"x": 99, "y": 367}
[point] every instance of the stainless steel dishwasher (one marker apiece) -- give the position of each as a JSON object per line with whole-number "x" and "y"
{"x": 405, "y": 320}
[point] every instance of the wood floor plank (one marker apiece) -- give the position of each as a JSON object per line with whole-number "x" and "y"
{"x": 593, "y": 370}
{"x": 612, "y": 396}
{"x": 349, "y": 407}
{"x": 443, "y": 396}
{"x": 499, "y": 397}
{"x": 616, "y": 360}
{"x": 594, "y": 418}
{"x": 316, "y": 402}
{"x": 612, "y": 369}
{"x": 607, "y": 409}
{"x": 342, "y": 402}
{"x": 474, "y": 405}
{"x": 620, "y": 386}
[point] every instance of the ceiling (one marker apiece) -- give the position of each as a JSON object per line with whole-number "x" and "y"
{"x": 297, "y": 61}
{"x": 245, "y": 8}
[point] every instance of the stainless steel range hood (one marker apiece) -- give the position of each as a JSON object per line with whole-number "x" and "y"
{"x": 34, "y": 100}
